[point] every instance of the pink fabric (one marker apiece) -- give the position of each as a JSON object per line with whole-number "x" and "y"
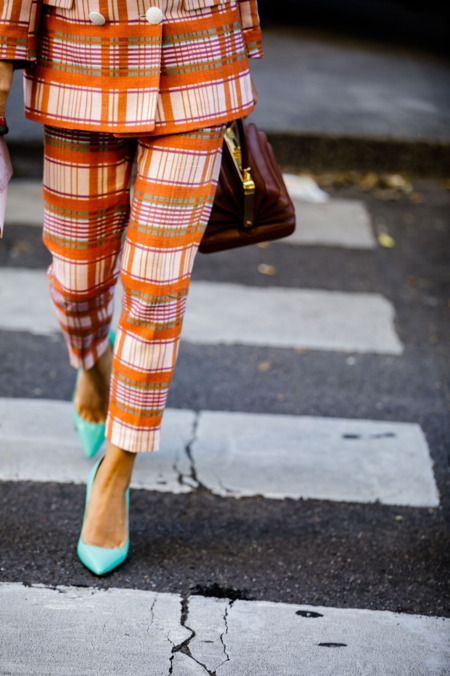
{"x": 5, "y": 176}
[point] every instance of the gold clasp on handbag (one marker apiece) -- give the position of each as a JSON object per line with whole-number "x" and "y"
{"x": 249, "y": 194}
{"x": 248, "y": 184}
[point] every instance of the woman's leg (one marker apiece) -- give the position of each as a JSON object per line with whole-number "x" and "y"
{"x": 86, "y": 200}
{"x": 173, "y": 196}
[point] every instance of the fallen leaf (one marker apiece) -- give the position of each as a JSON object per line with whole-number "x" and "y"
{"x": 266, "y": 269}
{"x": 397, "y": 182}
{"x": 264, "y": 365}
{"x": 368, "y": 181}
{"x": 386, "y": 240}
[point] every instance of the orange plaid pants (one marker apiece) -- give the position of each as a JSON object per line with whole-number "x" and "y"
{"x": 95, "y": 233}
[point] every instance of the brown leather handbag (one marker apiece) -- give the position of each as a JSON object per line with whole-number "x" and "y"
{"x": 251, "y": 203}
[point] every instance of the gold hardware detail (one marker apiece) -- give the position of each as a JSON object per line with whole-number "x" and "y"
{"x": 234, "y": 148}
{"x": 248, "y": 182}
{"x": 238, "y": 156}
{"x": 245, "y": 175}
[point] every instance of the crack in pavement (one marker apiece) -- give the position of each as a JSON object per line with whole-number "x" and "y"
{"x": 183, "y": 479}
{"x": 152, "y": 613}
{"x": 225, "y": 632}
{"x": 179, "y": 474}
{"x": 172, "y": 654}
{"x": 192, "y": 479}
{"x": 183, "y": 647}
{"x": 197, "y": 484}
{"x": 55, "y": 588}
{"x": 222, "y": 485}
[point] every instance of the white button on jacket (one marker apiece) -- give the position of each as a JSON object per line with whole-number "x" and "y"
{"x": 133, "y": 67}
{"x": 97, "y": 18}
{"x": 154, "y": 15}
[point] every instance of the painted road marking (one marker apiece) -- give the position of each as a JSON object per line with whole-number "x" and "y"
{"x": 280, "y": 456}
{"x": 75, "y": 630}
{"x": 39, "y": 443}
{"x": 338, "y": 222}
{"x": 236, "y": 455}
{"x": 25, "y": 204}
{"x": 234, "y": 314}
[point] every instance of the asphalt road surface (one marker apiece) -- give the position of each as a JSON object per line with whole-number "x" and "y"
{"x": 295, "y": 520}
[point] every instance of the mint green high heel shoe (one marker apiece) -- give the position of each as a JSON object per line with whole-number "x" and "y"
{"x": 101, "y": 560}
{"x": 92, "y": 434}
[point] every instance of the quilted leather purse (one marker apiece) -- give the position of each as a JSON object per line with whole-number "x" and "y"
{"x": 251, "y": 203}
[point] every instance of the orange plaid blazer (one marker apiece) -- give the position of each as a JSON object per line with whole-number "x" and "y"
{"x": 133, "y": 66}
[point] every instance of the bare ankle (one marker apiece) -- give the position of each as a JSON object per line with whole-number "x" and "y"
{"x": 119, "y": 462}
{"x": 104, "y": 363}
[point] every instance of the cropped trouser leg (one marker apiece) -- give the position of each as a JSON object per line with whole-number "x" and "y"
{"x": 173, "y": 195}
{"x": 172, "y": 200}
{"x": 86, "y": 208}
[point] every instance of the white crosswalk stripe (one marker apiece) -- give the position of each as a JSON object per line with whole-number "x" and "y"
{"x": 279, "y": 317}
{"x": 234, "y": 314}
{"x": 236, "y": 455}
{"x": 338, "y": 222}
{"x": 25, "y": 203}
{"x": 130, "y": 631}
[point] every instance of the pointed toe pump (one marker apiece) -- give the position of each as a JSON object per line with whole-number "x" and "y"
{"x": 92, "y": 434}
{"x": 101, "y": 560}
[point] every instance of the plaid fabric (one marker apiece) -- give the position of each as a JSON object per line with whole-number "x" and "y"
{"x": 94, "y": 235}
{"x": 128, "y": 76}
{"x": 19, "y": 21}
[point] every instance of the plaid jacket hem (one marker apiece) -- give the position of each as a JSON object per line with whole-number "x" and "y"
{"x": 128, "y": 76}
